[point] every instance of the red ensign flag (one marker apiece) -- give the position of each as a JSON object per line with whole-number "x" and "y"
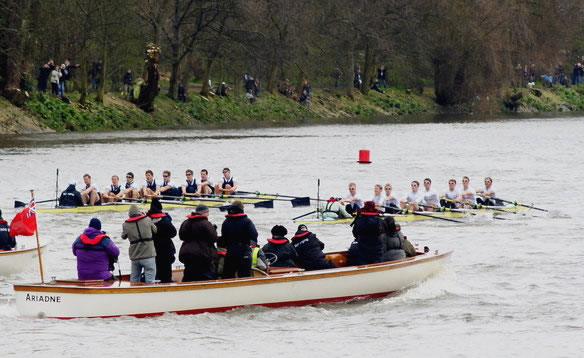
{"x": 24, "y": 223}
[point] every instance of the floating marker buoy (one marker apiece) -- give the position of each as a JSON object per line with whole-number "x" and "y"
{"x": 364, "y": 157}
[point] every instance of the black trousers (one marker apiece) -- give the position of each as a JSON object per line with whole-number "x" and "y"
{"x": 237, "y": 261}
{"x": 164, "y": 268}
{"x": 199, "y": 269}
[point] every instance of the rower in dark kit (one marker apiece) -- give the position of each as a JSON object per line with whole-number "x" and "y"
{"x": 163, "y": 244}
{"x": 280, "y": 248}
{"x": 190, "y": 187}
{"x": 7, "y": 242}
{"x": 70, "y": 197}
{"x": 168, "y": 188}
{"x": 228, "y": 184}
{"x": 237, "y": 234}
{"x": 198, "y": 251}
{"x": 96, "y": 253}
{"x": 309, "y": 250}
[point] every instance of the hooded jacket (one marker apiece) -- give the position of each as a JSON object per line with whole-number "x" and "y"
{"x": 165, "y": 231}
{"x": 283, "y": 250}
{"x": 237, "y": 229}
{"x": 7, "y": 242}
{"x": 70, "y": 197}
{"x": 367, "y": 230}
{"x": 139, "y": 230}
{"x": 95, "y": 253}
{"x": 309, "y": 249}
{"x": 199, "y": 237}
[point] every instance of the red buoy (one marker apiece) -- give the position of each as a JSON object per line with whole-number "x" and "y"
{"x": 364, "y": 156}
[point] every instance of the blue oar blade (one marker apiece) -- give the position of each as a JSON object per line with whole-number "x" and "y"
{"x": 269, "y": 204}
{"x": 305, "y": 201}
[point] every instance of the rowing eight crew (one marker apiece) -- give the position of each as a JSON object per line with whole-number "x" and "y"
{"x": 116, "y": 192}
{"x": 416, "y": 200}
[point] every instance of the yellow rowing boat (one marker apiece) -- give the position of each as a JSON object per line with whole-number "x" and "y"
{"x": 425, "y": 215}
{"x": 187, "y": 203}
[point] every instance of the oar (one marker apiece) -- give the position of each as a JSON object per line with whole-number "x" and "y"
{"x": 300, "y": 200}
{"x": 20, "y": 204}
{"x": 301, "y": 216}
{"x": 188, "y": 198}
{"x": 404, "y": 211}
{"x": 481, "y": 206}
{"x": 444, "y": 209}
{"x": 516, "y": 203}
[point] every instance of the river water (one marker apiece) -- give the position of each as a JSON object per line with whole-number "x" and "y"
{"x": 513, "y": 287}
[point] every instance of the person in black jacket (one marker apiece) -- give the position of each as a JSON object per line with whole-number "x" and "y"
{"x": 71, "y": 196}
{"x": 7, "y": 242}
{"x": 237, "y": 234}
{"x": 382, "y": 76}
{"x": 367, "y": 229}
{"x": 309, "y": 249}
{"x": 198, "y": 251}
{"x": 163, "y": 244}
{"x": 279, "y": 246}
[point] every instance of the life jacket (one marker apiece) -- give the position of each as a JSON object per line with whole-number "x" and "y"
{"x": 278, "y": 241}
{"x": 226, "y": 182}
{"x": 254, "y": 256}
{"x": 157, "y": 215}
{"x": 195, "y": 216}
{"x": 92, "y": 244}
{"x": 236, "y": 215}
{"x": 135, "y": 219}
{"x": 191, "y": 187}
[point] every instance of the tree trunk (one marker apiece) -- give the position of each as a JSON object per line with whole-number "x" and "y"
{"x": 270, "y": 80}
{"x": 10, "y": 89}
{"x": 84, "y": 73}
{"x": 175, "y": 54}
{"x": 205, "y": 86}
{"x": 369, "y": 67}
{"x": 102, "y": 78}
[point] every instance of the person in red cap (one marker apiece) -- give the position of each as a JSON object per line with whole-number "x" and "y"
{"x": 279, "y": 246}
{"x": 367, "y": 248}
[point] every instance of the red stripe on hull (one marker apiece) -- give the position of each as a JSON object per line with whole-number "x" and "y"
{"x": 228, "y": 308}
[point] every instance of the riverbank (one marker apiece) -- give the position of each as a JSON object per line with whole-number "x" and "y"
{"x": 46, "y": 113}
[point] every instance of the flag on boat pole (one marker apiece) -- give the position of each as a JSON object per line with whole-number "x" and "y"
{"x": 24, "y": 223}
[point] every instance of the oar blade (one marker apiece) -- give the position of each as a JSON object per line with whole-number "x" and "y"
{"x": 19, "y": 204}
{"x": 223, "y": 207}
{"x": 269, "y": 204}
{"x": 304, "y": 201}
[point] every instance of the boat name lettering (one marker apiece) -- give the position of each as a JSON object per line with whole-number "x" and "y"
{"x": 41, "y": 298}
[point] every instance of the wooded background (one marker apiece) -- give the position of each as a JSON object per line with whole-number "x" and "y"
{"x": 463, "y": 48}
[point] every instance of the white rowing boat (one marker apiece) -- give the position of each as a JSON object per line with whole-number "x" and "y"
{"x": 287, "y": 287}
{"x": 19, "y": 260}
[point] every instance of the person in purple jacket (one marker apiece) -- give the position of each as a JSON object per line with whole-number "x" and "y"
{"x": 95, "y": 252}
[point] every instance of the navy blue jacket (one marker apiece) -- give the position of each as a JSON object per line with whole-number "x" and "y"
{"x": 284, "y": 251}
{"x": 7, "y": 242}
{"x": 309, "y": 249}
{"x": 366, "y": 230}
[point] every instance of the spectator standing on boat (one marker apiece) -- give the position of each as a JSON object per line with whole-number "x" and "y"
{"x": 334, "y": 209}
{"x": 431, "y": 200}
{"x": 378, "y": 197}
{"x": 90, "y": 194}
{"x": 198, "y": 251}
{"x": 414, "y": 197}
{"x": 71, "y": 196}
{"x": 162, "y": 238}
{"x": 452, "y": 196}
{"x": 309, "y": 250}
{"x": 139, "y": 230}
{"x": 353, "y": 200}
{"x": 367, "y": 247}
{"x": 190, "y": 187}
{"x": 237, "y": 234}
{"x": 206, "y": 185}
{"x": 168, "y": 188}
{"x": 229, "y": 184}
{"x": 131, "y": 189}
{"x": 467, "y": 193}
{"x": 393, "y": 241}
{"x": 390, "y": 201}
{"x": 150, "y": 188}
{"x": 114, "y": 192}
{"x": 487, "y": 195}
{"x": 382, "y": 76}
{"x": 279, "y": 246}
{"x": 7, "y": 242}
{"x": 95, "y": 252}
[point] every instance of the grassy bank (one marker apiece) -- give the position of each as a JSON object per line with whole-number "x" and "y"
{"x": 45, "y": 113}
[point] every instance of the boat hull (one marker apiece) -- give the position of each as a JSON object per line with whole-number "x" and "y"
{"x": 413, "y": 217}
{"x": 12, "y": 262}
{"x": 297, "y": 288}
